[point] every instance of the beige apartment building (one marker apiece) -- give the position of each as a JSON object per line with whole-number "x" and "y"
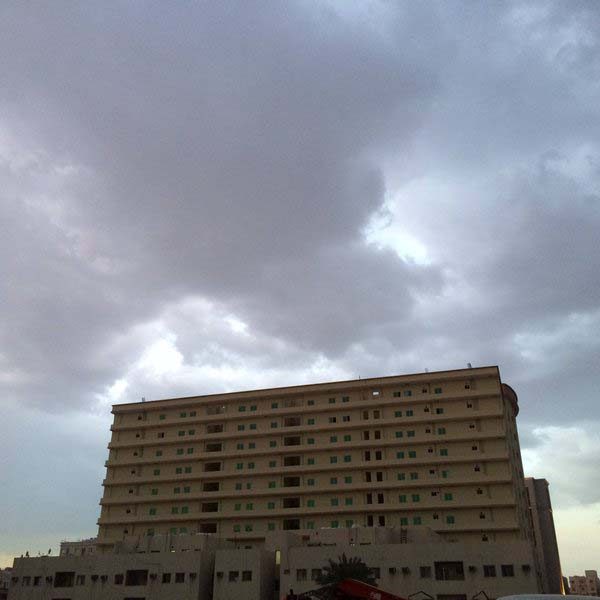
{"x": 544, "y": 535}
{"x": 413, "y": 562}
{"x": 585, "y": 585}
{"x": 438, "y": 450}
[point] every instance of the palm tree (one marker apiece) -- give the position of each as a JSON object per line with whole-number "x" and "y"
{"x": 353, "y": 568}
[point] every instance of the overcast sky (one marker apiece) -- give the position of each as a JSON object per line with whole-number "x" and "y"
{"x": 205, "y": 197}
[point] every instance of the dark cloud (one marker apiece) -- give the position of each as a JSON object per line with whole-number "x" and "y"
{"x": 229, "y": 195}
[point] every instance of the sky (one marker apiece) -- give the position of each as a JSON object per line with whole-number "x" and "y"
{"x": 217, "y": 196}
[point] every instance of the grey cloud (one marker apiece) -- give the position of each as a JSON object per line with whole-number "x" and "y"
{"x": 167, "y": 166}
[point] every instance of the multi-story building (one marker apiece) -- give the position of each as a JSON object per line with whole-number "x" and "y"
{"x": 78, "y": 548}
{"x": 585, "y": 585}
{"x": 434, "y": 449}
{"x": 544, "y": 535}
{"x": 5, "y": 579}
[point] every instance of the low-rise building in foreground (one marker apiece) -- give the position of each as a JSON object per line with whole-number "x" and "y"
{"x": 200, "y": 567}
{"x": 585, "y": 585}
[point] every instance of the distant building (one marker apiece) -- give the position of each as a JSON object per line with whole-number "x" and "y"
{"x": 5, "y": 579}
{"x": 187, "y": 567}
{"x": 78, "y": 548}
{"x": 546, "y": 546}
{"x": 585, "y": 585}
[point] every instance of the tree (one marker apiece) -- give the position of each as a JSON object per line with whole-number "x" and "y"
{"x": 353, "y": 568}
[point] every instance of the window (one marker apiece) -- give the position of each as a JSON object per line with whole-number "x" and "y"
{"x": 272, "y": 444}
{"x": 335, "y": 524}
{"x": 402, "y": 498}
{"x": 449, "y": 571}
{"x": 159, "y": 453}
{"x": 241, "y": 409}
{"x": 445, "y": 474}
{"x": 376, "y": 414}
{"x": 234, "y": 576}
{"x": 273, "y": 424}
{"x": 181, "y": 433}
{"x": 311, "y": 421}
{"x": 152, "y": 511}
{"x": 332, "y": 420}
{"x": 348, "y": 501}
{"x": 412, "y": 454}
{"x": 156, "y": 471}
{"x": 439, "y": 411}
{"x": 310, "y": 461}
{"x": 192, "y": 413}
{"x": 191, "y": 432}
{"x": 345, "y": 398}
{"x": 347, "y": 458}
{"x": 310, "y": 402}
{"x": 348, "y": 438}
{"x": 399, "y": 434}
{"x": 410, "y": 433}
{"x": 489, "y": 570}
{"x": 187, "y": 489}
{"x": 162, "y": 417}
{"x": 175, "y": 510}
{"x": 409, "y": 412}
{"x": 417, "y": 521}
{"x": 333, "y": 439}
{"x": 437, "y": 390}
{"x": 238, "y": 486}
{"x": 507, "y": 570}
{"x": 271, "y": 526}
{"x": 274, "y": 405}
{"x": 400, "y": 454}
{"x": 241, "y": 427}
{"x": 310, "y": 503}
{"x": 246, "y": 575}
{"x": 154, "y": 491}
{"x": 378, "y": 455}
{"x": 249, "y": 506}
{"x": 348, "y": 479}
{"x": 331, "y": 400}
{"x": 443, "y": 451}
{"x": 333, "y": 480}
{"x": 237, "y": 528}
{"x": 183, "y": 415}
{"x": 177, "y": 490}
{"x": 252, "y": 426}
{"x": 240, "y": 446}
{"x": 179, "y": 451}
{"x": 401, "y": 476}
{"x": 239, "y": 466}
{"x": 414, "y": 476}
{"x": 185, "y": 510}
{"x": 333, "y": 459}
{"x": 441, "y": 430}
{"x": 425, "y": 572}
{"x": 253, "y": 407}
{"x": 310, "y": 482}
{"x": 416, "y": 497}
{"x": 251, "y": 465}
{"x": 133, "y": 577}
{"x": 447, "y": 496}
{"x": 403, "y": 520}
{"x": 450, "y": 520}
{"x": 346, "y": 418}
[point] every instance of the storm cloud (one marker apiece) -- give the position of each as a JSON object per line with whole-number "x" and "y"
{"x": 217, "y": 196}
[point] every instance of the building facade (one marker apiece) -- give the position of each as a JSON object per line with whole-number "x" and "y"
{"x": 202, "y": 567}
{"x": 439, "y": 450}
{"x": 5, "y": 580}
{"x": 544, "y": 534}
{"x": 585, "y": 585}
{"x": 78, "y": 548}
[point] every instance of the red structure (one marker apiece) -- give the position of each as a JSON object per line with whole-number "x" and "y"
{"x": 349, "y": 589}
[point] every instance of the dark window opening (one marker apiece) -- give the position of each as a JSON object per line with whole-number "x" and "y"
{"x": 64, "y": 579}
{"x": 449, "y": 571}
{"x": 136, "y": 577}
